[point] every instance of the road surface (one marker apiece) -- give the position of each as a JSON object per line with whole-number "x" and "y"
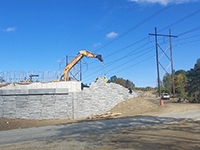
{"x": 72, "y": 130}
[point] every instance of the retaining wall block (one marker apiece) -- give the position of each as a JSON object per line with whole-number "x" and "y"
{"x": 35, "y": 108}
{"x": 34, "y": 97}
{"x": 48, "y": 100}
{"x": 1, "y": 101}
{"x": 48, "y": 112}
{"x": 1, "y": 112}
{"x": 42, "y": 91}
{"x": 8, "y": 98}
{"x": 35, "y": 116}
{"x": 9, "y": 107}
{"x": 22, "y": 102}
{"x": 22, "y": 113}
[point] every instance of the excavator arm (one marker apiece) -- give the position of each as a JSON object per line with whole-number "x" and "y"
{"x": 75, "y": 60}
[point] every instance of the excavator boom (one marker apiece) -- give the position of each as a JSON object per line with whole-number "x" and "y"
{"x": 76, "y": 59}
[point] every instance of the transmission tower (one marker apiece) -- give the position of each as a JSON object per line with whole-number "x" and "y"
{"x": 164, "y": 54}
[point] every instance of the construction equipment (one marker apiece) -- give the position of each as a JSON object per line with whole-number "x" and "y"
{"x": 75, "y": 60}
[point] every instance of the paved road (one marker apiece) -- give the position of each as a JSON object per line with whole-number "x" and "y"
{"x": 76, "y": 129}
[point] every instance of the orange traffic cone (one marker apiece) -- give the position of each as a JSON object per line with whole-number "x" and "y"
{"x": 161, "y": 102}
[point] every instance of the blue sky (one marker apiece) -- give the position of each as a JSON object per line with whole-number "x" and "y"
{"x": 38, "y": 34}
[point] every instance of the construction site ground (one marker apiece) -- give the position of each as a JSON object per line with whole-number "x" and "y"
{"x": 184, "y": 135}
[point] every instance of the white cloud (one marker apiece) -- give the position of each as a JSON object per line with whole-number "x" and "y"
{"x": 10, "y": 29}
{"x": 162, "y": 2}
{"x": 96, "y": 44}
{"x": 111, "y": 35}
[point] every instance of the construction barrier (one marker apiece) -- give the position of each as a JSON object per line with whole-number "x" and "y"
{"x": 161, "y": 102}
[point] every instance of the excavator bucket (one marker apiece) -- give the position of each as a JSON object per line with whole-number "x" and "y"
{"x": 100, "y": 58}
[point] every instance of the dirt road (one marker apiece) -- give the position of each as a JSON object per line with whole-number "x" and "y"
{"x": 182, "y": 136}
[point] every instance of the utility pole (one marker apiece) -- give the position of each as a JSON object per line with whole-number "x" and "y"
{"x": 164, "y": 53}
{"x": 172, "y": 62}
{"x": 158, "y": 74}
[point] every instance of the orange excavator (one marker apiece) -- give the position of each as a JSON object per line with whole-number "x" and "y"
{"x": 75, "y": 60}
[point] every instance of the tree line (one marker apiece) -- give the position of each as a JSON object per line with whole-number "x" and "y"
{"x": 125, "y": 83}
{"x": 187, "y": 83}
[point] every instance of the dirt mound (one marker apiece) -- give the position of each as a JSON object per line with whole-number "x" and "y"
{"x": 133, "y": 107}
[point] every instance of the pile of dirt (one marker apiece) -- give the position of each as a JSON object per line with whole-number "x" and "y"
{"x": 133, "y": 107}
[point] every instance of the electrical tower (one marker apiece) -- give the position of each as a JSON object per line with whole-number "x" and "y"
{"x": 168, "y": 57}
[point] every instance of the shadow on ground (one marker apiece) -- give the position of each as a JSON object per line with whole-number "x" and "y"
{"x": 134, "y": 133}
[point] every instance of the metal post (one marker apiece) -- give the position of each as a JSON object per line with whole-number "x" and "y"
{"x": 172, "y": 63}
{"x": 157, "y": 63}
{"x": 80, "y": 71}
{"x": 66, "y": 60}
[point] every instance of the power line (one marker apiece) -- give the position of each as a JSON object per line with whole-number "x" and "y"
{"x": 140, "y": 23}
{"x": 138, "y": 62}
{"x": 181, "y": 20}
{"x": 147, "y": 50}
{"x": 139, "y": 41}
{"x": 135, "y": 64}
{"x": 111, "y": 63}
{"x": 145, "y": 38}
{"x": 127, "y": 55}
{"x": 131, "y": 60}
{"x": 189, "y": 42}
{"x": 190, "y": 37}
{"x": 191, "y": 30}
{"x": 130, "y": 54}
{"x": 153, "y": 56}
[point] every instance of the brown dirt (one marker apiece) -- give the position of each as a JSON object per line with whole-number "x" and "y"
{"x": 133, "y": 107}
{"x": 148, "y": 104}
{"x": 9, "y": 124}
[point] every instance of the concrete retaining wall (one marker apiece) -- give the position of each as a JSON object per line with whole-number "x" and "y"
{"x": 72, "y": 86}
{"x": 52, "y": 103}
{"x": 36, "y": 104}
